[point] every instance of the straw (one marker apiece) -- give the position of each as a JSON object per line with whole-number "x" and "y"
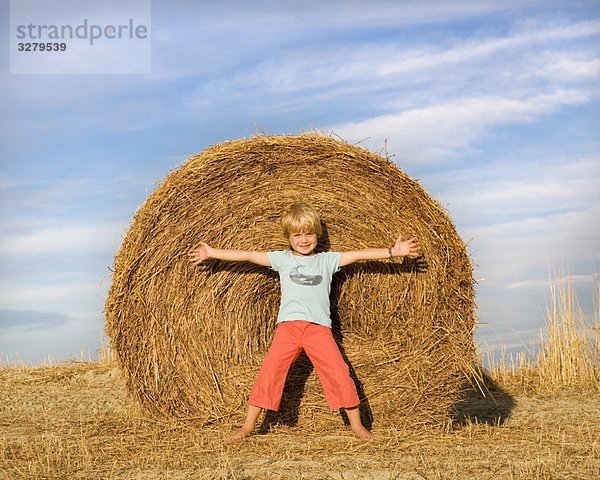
{"x": 190, "y": 339}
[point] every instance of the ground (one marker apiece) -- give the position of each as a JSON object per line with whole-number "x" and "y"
{"x": 77, "y": 421}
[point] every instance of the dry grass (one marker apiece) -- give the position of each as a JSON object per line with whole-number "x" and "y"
{"x": 79, "y": 421}
{"x": 569, "y": 357}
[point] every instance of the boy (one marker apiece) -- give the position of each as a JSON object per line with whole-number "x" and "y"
{"x": 304, "y": 322}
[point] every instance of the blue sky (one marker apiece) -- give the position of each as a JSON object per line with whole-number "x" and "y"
{"x": 492, "y": 106}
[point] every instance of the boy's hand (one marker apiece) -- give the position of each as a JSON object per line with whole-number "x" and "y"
{"x": 201, "y": 253}
{"x": 408, "y": 248}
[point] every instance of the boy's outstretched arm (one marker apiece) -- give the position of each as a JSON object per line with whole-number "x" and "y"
{"x": 402, "y": 248}
{"x": 205, "y": 251}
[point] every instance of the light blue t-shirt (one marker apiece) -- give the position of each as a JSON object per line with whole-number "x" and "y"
{"x": 305, "y": 285}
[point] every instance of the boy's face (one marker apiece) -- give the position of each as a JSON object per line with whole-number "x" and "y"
{"x": 303, "y": 243}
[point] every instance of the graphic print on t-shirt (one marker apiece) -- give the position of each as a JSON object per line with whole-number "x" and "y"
{"x": 302, "y": 279}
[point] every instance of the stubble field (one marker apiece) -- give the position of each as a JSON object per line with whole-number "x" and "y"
{"x": 77, "y": 421}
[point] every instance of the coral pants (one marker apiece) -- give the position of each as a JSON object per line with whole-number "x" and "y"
{"x": 317, "y": 341}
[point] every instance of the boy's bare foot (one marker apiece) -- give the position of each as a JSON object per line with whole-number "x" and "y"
{"x": 362, "y": 433}
{"x": 239, "y": 435}
{"x": 249, "y": 424}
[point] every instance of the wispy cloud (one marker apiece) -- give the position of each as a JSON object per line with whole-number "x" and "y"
{"x": 435, "y": 133}
{"x": 72, "y": 294}
{"x": 519, "y": 184}
{"x": 268, "y": 47}
{"x": 30, "y": 319}
{"x": 520, "y": 250}
{"x": 58, "y": 265}
{"x": 561, "y": 67}
{"x": 377, "y": 67}
{"x": 61, "y": 239}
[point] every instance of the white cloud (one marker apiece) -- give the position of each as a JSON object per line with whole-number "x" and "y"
{"x": 435, "y": 133}
{"x": 66, "y": 238}
{"x": 525, "y": 184}
{"x": 473, "y": 49}
{"x": 519, "y": 251}
{"x": 562, "y": 68}
{"x": 72, "y": 294}
{"x": 524, "y": 214}
{"x": 372, "y": 67}
{"x": 381, "y": 13}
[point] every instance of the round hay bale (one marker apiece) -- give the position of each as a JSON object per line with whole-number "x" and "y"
{"x": 190, "y": 339}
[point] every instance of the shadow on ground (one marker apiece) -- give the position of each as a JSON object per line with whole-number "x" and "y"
{"x": 483, "y": 401}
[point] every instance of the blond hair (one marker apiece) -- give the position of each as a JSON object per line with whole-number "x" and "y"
{"x": 300, "y": 218}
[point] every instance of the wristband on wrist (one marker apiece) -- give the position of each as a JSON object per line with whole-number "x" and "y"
{"x": 390, "y": 254}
